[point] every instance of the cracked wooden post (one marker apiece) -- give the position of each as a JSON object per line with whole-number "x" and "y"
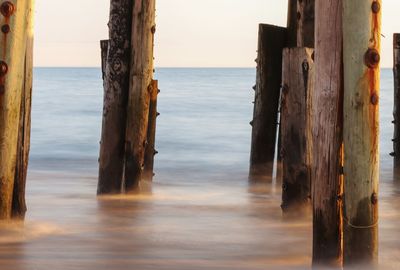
{"x": 116, "y": 88}
{"x": 271, "y": 41}
{"x": 361, "y": 47}
{"x": 396, "y": 109}
{"x": 141, "y": 75}
{"x": 150, "y": 150}
{"x": 297, "y": 86}
{"x": 327, "y": 134}
{"x": 15, "y": 80}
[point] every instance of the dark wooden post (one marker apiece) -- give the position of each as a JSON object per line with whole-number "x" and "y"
{"x": 297, "y": 86}
{"x": 150, "y": 150}
{"x": 292, "y": 23}
{"x": 141, "y": 74}
{"x": 305, "y": 24}
{"x": 396, "y": 110}
{"x": 271, "y": 41}
{"x": 361, "y": 47}
{"x": 104, "y": 53}
{"x": 327, "y": 134}
{"x": 116, "y": 88}
{"x": 15, "y": 89}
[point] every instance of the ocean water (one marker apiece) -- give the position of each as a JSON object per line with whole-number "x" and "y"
{"x": 200, "y": 212}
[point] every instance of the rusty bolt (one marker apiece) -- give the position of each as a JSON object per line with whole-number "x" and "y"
{"x": 5, "y": 29}
{"x": 7, "y": 9}
{"x": 374, "y": 99}
{"x": 153, "y": 29}
{"x": 376, "y": 7}
{"x": 3, "y": 68}
{"x": 374, "y": 198}
{"x": 372, "y": 58}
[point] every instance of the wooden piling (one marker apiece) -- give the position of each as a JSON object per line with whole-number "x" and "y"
{"x": 141, "y": 74}
{"x": 361, "y": 47}
{"x": 14, "y": 61}
{"x": 116, "y": 88}
{"x": 327, "y": 134}
{"x": 150, "y": 150}
{"x": 297, "y": 86}
{"x": 104, "y": 53}
{"x": 23, "y": 147}
{"x": 272, "y": 40}
{"x": 305, "y": 24}
{"x": 292, "y": 24}
{"x": 396, "y": 110}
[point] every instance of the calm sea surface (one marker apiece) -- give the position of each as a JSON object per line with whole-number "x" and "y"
{"x": 200, "y": 213}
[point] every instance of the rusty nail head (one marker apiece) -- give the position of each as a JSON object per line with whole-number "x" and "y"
{"x": 3, "y": 68}
{"x": 153, "y": 29}
{"x": 372, "y": 58}
{"x": 7, "y": 9}
{"x": 376, "y": 7}
{"x": 5, "y": 29}
{"x": 374, "y": 99}
{"x": 374, "y": 198}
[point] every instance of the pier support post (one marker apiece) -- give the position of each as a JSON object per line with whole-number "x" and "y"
{"x": 150, "y": 150}
{"x": 327, "y": 134}
{"x": 396, "y": 110}
{"x": 141, "y": 75}
{"x": 116, "y": 88}
{"x": 15, "y": 91}
{"x": 297, "y": 87}
{"x": 305, "y": 24}
{"x": 361, "y": 47}
{"x": 271, "y": 41}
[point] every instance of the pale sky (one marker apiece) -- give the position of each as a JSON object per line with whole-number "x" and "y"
{"x": 190, "y": 33}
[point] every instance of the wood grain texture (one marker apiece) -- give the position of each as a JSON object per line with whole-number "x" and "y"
{"x": 396, "y": 109}
{"x": 271, "y": 41}
{"x": 141, "y": 74}
{"x": 12, "y": 52}
{"x": 116, "y": 88}
{"x": 19, "y": 205}
{"x": 305, "y": 23}
{"x": 150, "y": 150}
{"x": 327, "y": 134}
{"x": 361, "y": 32}
{"x": 297, "y": 86}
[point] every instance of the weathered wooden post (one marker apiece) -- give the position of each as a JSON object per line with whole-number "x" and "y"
{"x": 15, "y": 89}
{"x": 271, "y": 41}
{"x": 297, "y": 86}
{"x": 292, "y": 24}
{"x": 396, "y": 110}
{"x": 305, "y": 24}
{"x": 116, "y": 88}
{"x": 150, "y": 150}
{"x": 104, "y": 53}
{"x": 361, "y": 46}
{"x": 141, "y": 75}
{"x": 327, "y": 134}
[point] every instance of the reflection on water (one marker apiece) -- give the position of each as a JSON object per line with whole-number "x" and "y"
{"x": 200, "y": 212}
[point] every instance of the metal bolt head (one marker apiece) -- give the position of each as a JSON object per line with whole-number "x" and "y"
{"x": 3, "y": 68}
{"x": 372, "y": 58}
{"x": 7, "y": 9}
{"x": 5, "y": 29}
{"x": 374, "y": 99}
{"x": 376, "y": 7}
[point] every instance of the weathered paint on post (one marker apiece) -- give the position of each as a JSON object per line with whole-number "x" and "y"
{"x": 150, "y": 150}
{"x": 305, "y": 24}
{"x": 297, "y": 86}
{"x": 361, "y": 46}
{"x": 15, "y": 14}
{"x": 327, "y": 134}
{"x": 141, "y": 75}
{"x": 271, "y": 41}
{"x": 396, "y": 109}
{"x": 116, "y": 88}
